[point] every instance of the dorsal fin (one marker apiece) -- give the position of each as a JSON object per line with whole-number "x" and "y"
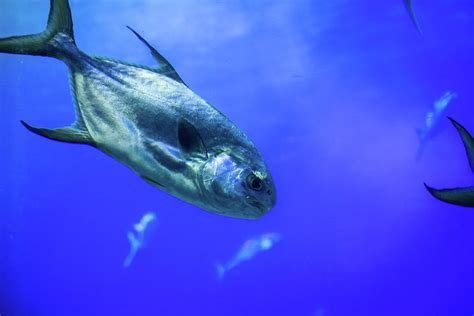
{"x": 70, "y": 134}
{"x": 164, "y": 67}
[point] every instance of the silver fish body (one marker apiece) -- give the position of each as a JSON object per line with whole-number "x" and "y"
{"x": 148, "y": 119}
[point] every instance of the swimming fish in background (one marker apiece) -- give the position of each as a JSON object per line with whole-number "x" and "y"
{"x": 139, "y": 236}
{"x": 432, "y": 120}
{"x": 148, "y": 119}
{"x": 413, "y": 16}
{"x": 459, "y": 196}
{"x": 248, "y": 250}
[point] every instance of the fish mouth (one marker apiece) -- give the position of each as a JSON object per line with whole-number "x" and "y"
{"x": 256, "y": 204}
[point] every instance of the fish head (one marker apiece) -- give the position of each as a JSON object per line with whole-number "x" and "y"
{"x": 268, "y": 240}
{"x": 237, "y": 186}
{"x": 145, "y": 229}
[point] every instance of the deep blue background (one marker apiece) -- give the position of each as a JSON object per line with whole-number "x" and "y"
{"x": 330, "y": 92}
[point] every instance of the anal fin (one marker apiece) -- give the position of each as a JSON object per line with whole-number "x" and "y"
{"x": 70, "y": 134}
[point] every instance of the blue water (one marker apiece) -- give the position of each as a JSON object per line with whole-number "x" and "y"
{"x": 329, "y": 91}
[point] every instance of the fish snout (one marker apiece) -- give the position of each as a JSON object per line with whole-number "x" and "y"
{"x": 262, "y": 205}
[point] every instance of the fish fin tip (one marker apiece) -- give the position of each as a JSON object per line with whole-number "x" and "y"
{"x": 453, "y": 121}
{"x": 135, "y": 32}
{"x": 456, "y": 196}
{"x": 164, "y": 66}
{"x": 220, "y": 271}
{"x": 413, "y": 17}
{"x": 427, "y": 187}
{"x": 26, "y": 125}
{"x": 68, "y": 134}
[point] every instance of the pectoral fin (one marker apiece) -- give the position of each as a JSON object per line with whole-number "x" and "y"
{"x": 457, "y": 196}
{"x": 190, "y": 141}
{"x": 70, "y": 134}
{"x": 164, "y": 67}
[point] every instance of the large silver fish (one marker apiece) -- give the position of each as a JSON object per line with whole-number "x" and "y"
{"x": 149, "y": 119}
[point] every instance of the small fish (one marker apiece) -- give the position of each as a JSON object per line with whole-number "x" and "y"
{"x": 139, "y": 236}
{"x": 413, "y": 16}
{"x": 432, "y": 120}
{"x": 148, "y": 119}
{"x": 459, "y": 196}
{"x": 248, "y": 250}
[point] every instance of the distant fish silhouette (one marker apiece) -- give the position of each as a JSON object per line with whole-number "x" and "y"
{"x": 459, "y": 196}
{"x": 139, "y": 237}
{"x": 248, "y": 250}
{"x": 413, "y": 16}
{"x": 432, "y": 120}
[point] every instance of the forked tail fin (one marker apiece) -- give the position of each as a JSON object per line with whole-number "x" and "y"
{"x": 220, "y": 271}
{"x": 421, "y": 144}
{"x": 43, "y": 44}
{"x": 134, "y": 247}
{"x": 467, "y": 141}
{"x": 420, "y": 150}
{"x": 458, "y": 196}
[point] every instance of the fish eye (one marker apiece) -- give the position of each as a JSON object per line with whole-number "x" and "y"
{"x": 254, "y": 182}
